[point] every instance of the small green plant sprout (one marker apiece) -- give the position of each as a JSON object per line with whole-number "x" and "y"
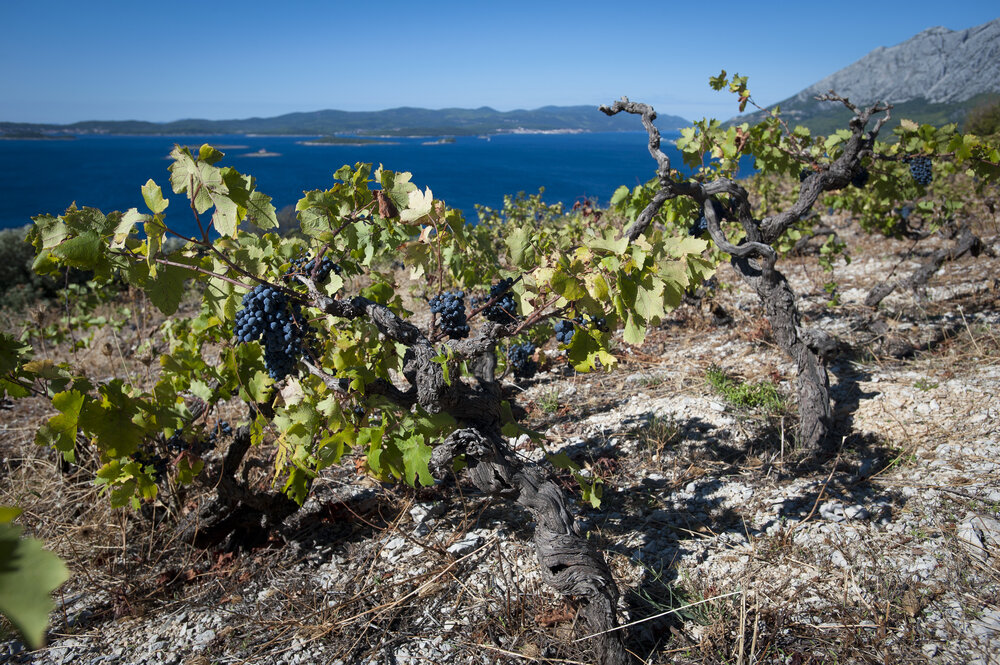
{"x": 660, "y": 433}
{"x": 549, "y": 402}
{"x": 831, "y": 289}
{"x": 762, "y": 395}
{"x": 924, "y": 384}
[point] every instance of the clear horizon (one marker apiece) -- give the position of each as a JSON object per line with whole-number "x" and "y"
{"x": 121, "y": 61}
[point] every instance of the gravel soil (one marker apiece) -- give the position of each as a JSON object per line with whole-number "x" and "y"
{"x": 727, "y": 546}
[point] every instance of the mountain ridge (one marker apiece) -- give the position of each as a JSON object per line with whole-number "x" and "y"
{"x": 935, "y": 76}
{"x": 398, "y": 121}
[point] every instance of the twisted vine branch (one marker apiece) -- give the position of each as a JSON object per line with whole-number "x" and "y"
{"x": 754, "y": 257}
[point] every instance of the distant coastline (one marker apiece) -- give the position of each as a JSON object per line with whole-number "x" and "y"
{"x": 522, "y": 130}
{"x": 345, "y": 141}
{"x": 34, "y": 136}
{"x": 360, "y": 127}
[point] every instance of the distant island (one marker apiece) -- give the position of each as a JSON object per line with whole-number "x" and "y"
{"x": 30, "y": 135}
{"x": 343, "y": 140}
{"x": 327, "y": 125}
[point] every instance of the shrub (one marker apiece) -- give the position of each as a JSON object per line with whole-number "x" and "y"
{"x": 20, "y": 286}
{"x": 984, "y": 120}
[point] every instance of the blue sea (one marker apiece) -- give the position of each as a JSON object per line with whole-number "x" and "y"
{"x": 107, "y": 172}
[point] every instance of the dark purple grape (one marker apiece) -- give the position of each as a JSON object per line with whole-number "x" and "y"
{"x": 860, "y": 178}
{"x": 504, "y": 310}
{"x": 267, "y": 315}
{"x": 309, "y": 267}
{"x": 920, "y": 170}
{"x": 564, "y": 331}
{"x": 450, "y": 308}
{"x": 519, "y": 356}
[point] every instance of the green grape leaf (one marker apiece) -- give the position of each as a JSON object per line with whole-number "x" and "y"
{"x": 416, "y": 461}
{"x": 419, "y": 204}
{"x": 597, "y": 287}
{"x": 522, "y": 252}
{"x": 82, "y": 251}
{"x": 48, "y": 231}
{"x": 209, "y": 155}
{"x": 635, "y": 330}
{"x": 125, "y": 226}
{"x": 12, "y": 352}
{"x": 155, "y": 230}
{"x": 261, "y": 212}
{"x": 568, "y": 286}
{"x": 649, "y": 300}
{"x": 9, "y": 513}
{"x": 610, "y": 244}
{"x": 28, "y": 574}
{"x": 127, "y": 483}
{"x": 202, "y": 390}
{"x": 60, "y": 430}
{"x": 153, "y": 196}
{"x": 166, "y": 289}
{"x": 188, "y": 469}
{"x": 620, "y": 195}
{"x": 110, "y": 421}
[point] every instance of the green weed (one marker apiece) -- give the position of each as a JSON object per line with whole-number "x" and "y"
{"x": 763, "y": 395}
{"x": 549, "y": 402}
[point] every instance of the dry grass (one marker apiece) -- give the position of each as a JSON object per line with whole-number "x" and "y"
{"x": 704, "y": 579}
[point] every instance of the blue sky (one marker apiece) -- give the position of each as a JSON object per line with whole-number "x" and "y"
{"x": 111, "y": 60}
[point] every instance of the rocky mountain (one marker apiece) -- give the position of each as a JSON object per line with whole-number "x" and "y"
{"x": 935, "y": 76}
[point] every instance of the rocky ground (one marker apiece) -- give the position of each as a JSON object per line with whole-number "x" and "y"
{"x": 726, "y": 547}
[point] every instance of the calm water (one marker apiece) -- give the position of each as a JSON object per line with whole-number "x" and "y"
{"x": 106, "y": 172}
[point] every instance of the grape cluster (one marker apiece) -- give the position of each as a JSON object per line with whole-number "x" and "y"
{"x": 150, "y": 459}
{"x": 920, "y": 169}
{"x": 222, "y": 428}
{"x": 267, "y": 315}
{"x": 177, "y": 444}
{"x": 504, "y": 310}
{"x": 600, "y": 323}
{"x": 197, "y": 443}
{"x": 564, "y": 331}
{"x": 699, "y": 227}
{"x": 595, "y": 322}
{"x": 860, "y": 178}
{"x": 519, "y": 356}
{"x": 450, "y": 306}
{"x": 306, "y": 266}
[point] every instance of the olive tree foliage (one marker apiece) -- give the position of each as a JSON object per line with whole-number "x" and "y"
{"x": 850, "y": 169}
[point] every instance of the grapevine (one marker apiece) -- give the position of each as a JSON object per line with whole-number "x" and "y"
{"x": 366, "y": 375}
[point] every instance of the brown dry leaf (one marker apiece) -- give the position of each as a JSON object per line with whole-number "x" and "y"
{"x": 386, "y": 209}
{"x": 913, "y": 602}
{"x": 555, "y": 615}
